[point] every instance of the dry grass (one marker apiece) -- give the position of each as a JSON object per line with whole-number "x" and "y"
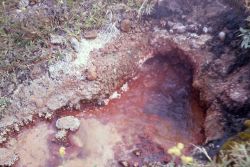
{"x": 25, "y": 34}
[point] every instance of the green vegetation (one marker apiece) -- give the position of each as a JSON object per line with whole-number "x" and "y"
{"x": 235, "y": 152}
{"x": 236, "y": 156}
{"x": 245, "y": 34}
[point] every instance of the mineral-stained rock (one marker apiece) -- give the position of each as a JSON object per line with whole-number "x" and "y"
{"x": 7, "y": 157}
{"x": 68, "y": 123}
{"x": 91, "y": 73}
{"x": 90, "y": 34}
{"x": 126, "y": 25}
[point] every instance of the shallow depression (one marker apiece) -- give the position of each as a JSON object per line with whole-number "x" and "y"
{"x": 157, "y": 111}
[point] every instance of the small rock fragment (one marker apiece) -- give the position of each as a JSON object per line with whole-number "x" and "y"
{"x": 124, "y": 87}
{"x": 75, "y": 44}
{"x": 222, "y": 36}
{"x": 68, "y": 123}
{"x": 90, "y": 34}
{"x": 137, "y": 152}
{"x": 124, "y": 163}
{"x": 61, "y": 135}
{"x": 91, "y": 73}
{"x": 7, "y": 157}
{"x": 16, "y": 127}
{"x": 126, "y": 25}
{"x": 205, "y": 30}
{"x": 115, "y": 95}
{"x": 48, "y": 115}
{"x": 57, "y": 39}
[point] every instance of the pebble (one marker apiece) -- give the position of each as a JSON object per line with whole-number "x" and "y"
{"x": 222, "y": 36}
{"x": 90, "y": 34}
{"x": 205, "y": 30}
{"x": 126, "y": 25}
{"x": 91, "y": 73}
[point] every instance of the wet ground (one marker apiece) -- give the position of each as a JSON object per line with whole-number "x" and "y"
{"x": 155, "y": 111}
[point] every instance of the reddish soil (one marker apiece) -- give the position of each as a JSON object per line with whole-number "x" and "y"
{"x": 156, "y": 112}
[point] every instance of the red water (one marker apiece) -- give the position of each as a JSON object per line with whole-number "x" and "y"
{"x": 156, "y": 112}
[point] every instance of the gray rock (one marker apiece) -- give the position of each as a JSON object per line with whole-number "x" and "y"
{"x": 68, "y": 123}
{"x": 75, "y": 44}
{"x": 23, "y": 4}
{"x": 57, "y": 39}
{"x": 7, "y": 157}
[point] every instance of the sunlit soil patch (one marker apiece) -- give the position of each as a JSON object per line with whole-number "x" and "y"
{"x": 157, "y": 111}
